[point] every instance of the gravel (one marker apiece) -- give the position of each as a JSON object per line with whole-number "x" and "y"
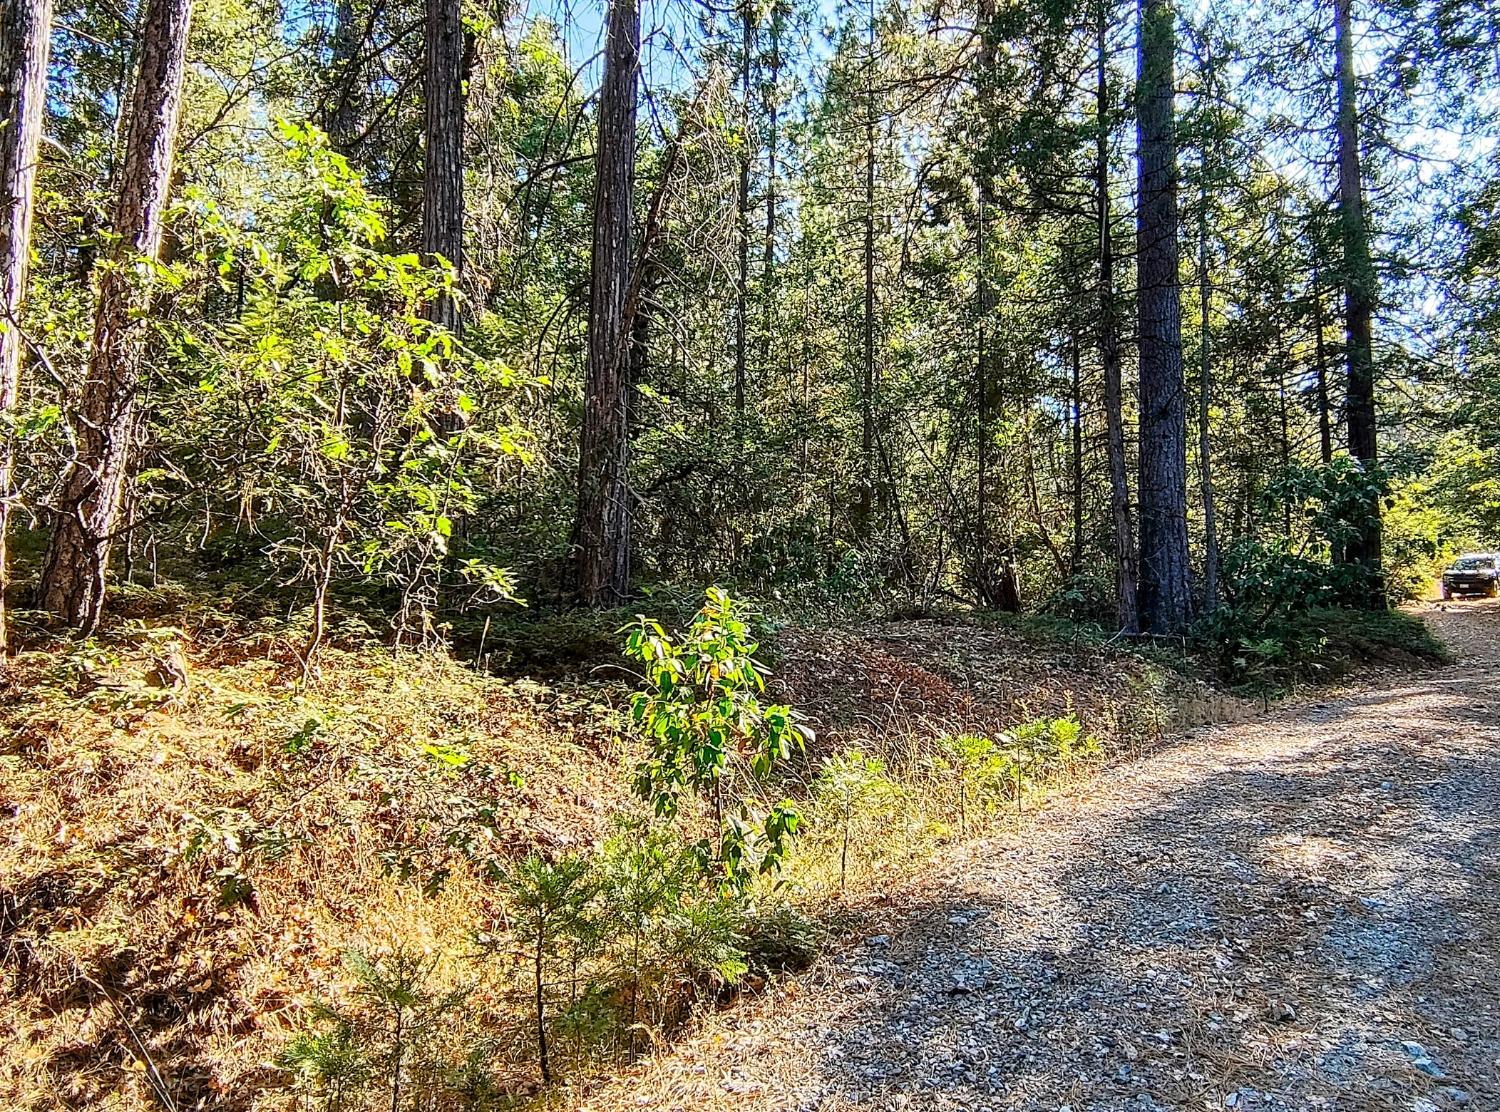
{"x": 1296, "y": 913}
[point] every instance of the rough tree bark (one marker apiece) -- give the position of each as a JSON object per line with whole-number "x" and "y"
{"x": 771, "y": 87}
{"x": 1320, "y": 349}
{"x": 864, "y": 506}
{"x": 1076, "y": 567}
{"x": 87, "y": 513}
{"x": 742, "y": 234}
{"x": 443, "y": 170}
{"x": 1205, "y": 446}
{"x": 341, "y": 103}
{"x": 25, "y": 34}
{"x": 1360, "y": 293}
{"x": 1109, "y": 343}
{"x": 601, "y": 533}
{"x": 1283, "y": 413}
{"x": 984, "y": 197}
{"x": 1165, "y": 594}
{"x": 982, "y": 576}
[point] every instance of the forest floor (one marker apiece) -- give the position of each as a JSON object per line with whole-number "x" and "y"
{"x": 1297, "y": 912}
{"x": 186, "y": 869}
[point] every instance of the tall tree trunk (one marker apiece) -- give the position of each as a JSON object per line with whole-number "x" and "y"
{"x": 1077, "y": 460}
{"x": 443, "y": 171}
{"x": 867, "y": 386}
{"x": 341, "y": 103}
{"x": 864, "y": 506}
{"x": 443, "y": 76}
{"x": 1320, "y": 350}
{"x": 601, "y": 533}
{"x": 982, "y": 575}
{"x": 1284, "y": 417}
{"x": 985, "y": 578}
{"x": 25, "y": 35}
{"x": 742, "y": 235}
{"x": 1205, "y": 447}
{"x": 772, "y": 107}
{"x": 87, "y": 515}
{"x": 1360, "y": 292}
{"x": 1109, "y": 345}
{"x": 1165, "y": 594}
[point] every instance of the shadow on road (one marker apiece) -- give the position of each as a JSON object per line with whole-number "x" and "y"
{"x": 1293, "y": 913}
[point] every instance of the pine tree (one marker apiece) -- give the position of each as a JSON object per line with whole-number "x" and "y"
{"x": 1165, "y": 598}
{"x": 443, "y": 170}
{"x": 1360, "y": 294}
{"x": 25, "y": 37}
{"x": 87, "y": 516}
{"x": 601, "y": 534}
{"x": 1109, "y": 340}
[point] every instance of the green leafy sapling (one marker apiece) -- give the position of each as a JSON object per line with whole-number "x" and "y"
{"x": 1055, "y": 744}
{"x": 356, "y": 429}
{"x": 709, "y": 735}
{"x": 987, "y": 769}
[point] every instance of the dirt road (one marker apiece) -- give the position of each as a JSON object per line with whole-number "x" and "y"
{"x": 1300, "y": 912}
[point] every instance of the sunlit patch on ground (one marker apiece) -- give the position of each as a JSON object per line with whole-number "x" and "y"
{"x": 1288, "y": 914}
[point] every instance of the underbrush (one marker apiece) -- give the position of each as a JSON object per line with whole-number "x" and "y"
{"x": 198, "y": 843}
{"x": 409, "y": 884}
{"x": 1269, "y": 656}
{"x": 879, "y": 813}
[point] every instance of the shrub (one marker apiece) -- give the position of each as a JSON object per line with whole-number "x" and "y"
{"x": 1087, "y": 597}
{"x": 778, "y": 937}
{"x": 1276, "y": 624}
{"x": 550, "y": 905}
{"x": 976, "y": 767}
{"x": 1418, "y": 539}
{"x": 647, "y": 876}
{"x": 987, "y": 771}
{"x": 635, "y": 931}
{"x": 709, "y": 735}
{"x": 336, "y": 394}
{"x": 392, "y": 1037}
{"x": 1318, "y": 644}
{"x": 1057, "y": 743}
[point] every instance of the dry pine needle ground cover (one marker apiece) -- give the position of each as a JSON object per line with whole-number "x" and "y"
{"x": 184, "y": 868}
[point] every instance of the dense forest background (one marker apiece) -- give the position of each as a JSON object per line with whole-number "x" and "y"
{"x": 403, "y": 316}
{"x": 810, "y": 437}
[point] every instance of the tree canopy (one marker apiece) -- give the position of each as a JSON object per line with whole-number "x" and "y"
{"x": 1128, "y": 314}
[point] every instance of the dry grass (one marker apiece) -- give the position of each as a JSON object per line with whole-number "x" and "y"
{"x": 895, "y": 679}
{"x": 183, "y": 870}
{"x": 178, "y": 885}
